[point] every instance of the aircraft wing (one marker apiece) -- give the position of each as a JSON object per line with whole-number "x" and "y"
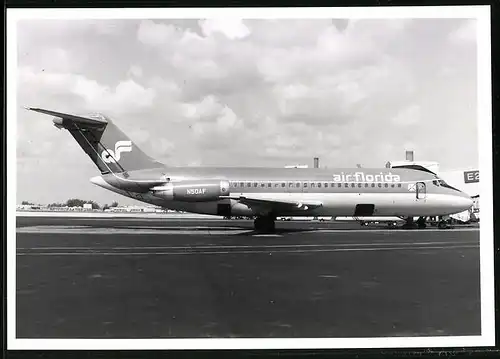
{"x": 272, "y": 204}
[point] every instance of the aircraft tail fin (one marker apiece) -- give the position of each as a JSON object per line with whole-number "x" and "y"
{"x": 106, "y": 145}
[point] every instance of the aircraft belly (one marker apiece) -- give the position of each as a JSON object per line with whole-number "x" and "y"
{"x": 334, "y": 204}
{"x": 396, "y": 204}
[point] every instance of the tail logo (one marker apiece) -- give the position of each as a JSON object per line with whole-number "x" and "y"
{"x": 110, "y": 156}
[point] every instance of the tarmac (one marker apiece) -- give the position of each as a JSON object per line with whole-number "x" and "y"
{"x": 198, "y": 278}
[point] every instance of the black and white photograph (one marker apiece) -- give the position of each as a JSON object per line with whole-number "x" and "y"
{"x": 249, "y": 178}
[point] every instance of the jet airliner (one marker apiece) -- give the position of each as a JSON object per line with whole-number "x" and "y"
{"x": 259, "y": 193}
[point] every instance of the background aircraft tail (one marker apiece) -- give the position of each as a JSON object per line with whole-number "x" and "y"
{"x": 108, "y": 147}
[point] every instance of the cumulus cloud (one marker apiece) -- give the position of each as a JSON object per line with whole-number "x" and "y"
{"x": 407, "y": 117}
{"x": 155, "y": 34}
{"x": 125, "y": 96}
{"x": 135, "y": 71}
{"x": 229, "y": 27}
{"x": 212, "y": 121}
{"x": 251, "y": 92}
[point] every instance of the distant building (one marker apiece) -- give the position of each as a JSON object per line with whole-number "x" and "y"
{"x": 409, "y": 156}
{"x": 87, "y": 206}
{"x": 136, "y": 209}
{"x": 297, "y": 166}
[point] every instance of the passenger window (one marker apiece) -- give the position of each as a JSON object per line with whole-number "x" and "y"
{"x": 255, "y": 184}
{"x": 305, "y": 184}
{"x": 290, "y": 184}
{"x": 249, "y": 184}
{"x": 263, "y": 184}
{"x": 326, "y": 185}
{"x": 392, "y": 185}
{"x": 353, "y": 184}
{"x": 276, "y": 184}
{"x": 373, "y": 184}
{"x": 269, "y": 185}
{"x": 339, "y": 185}
{"x": 319, "y": 185}
{"x": 297, "y": 185}
{"x": 359, "y": 185}
{"x": 399, "y": 184}
{"x": 380, "y": 185}
{"x": 242, "y": 184}
{"x": 283, "y": 184}
{"x": 346, "y": 184}
{"x": 366, "y": 185}
{"x": 312, "y": 185}
{"x": 386, "y": 185}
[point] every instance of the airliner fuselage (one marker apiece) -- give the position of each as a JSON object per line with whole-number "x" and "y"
{"x": 341, "y": 192}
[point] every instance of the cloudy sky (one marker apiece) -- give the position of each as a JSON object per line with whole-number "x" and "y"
{"x": 251, "y": 92}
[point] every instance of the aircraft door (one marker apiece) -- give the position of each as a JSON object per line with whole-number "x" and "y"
{"x": 421, "y": 190}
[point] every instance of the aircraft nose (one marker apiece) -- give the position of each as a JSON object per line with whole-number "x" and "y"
{"x": 463, "y": 202}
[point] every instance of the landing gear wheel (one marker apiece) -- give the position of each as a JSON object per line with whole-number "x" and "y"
{"x": 443, "y": 225}
{"x": 421, "y": 222}
{"x": 409, "y": 223}
{"x": 264, "y": 224}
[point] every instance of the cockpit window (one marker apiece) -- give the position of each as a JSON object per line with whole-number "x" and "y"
{"x": 444, "y": 184}
{"x": 435, "y": 182}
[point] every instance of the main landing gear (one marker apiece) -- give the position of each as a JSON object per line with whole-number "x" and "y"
{"x": 264, "y": 224}
{"x": 420, "y": 223}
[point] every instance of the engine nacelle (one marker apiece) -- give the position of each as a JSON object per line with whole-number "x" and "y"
{"x": 193, "y": 191}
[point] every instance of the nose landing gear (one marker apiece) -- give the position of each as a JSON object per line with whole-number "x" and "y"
{"x": 421, "y": 223}
{"x": 442, "y": 224}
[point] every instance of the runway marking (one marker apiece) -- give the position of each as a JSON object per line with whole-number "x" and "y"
{"x": 130, "y": 227}
{"x": 93, "y": 253}
{"x": 250, "y": 246}
{"x": 89, "y": 230}
{"x": 211, "y": 230}
{"x": 267, "y": 235}
{"x": 396, "y": 230}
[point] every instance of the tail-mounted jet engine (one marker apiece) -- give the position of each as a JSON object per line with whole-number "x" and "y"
{"x": 192, "y": 191}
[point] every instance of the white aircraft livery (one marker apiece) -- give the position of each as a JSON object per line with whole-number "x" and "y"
{"x": 259, "y": 193}
{"x": 109, "y": 156}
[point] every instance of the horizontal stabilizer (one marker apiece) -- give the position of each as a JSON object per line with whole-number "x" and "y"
{"x": 95, "y": 121}
{"x": 276, "y": 204}
{"x": 107, "y": 146}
